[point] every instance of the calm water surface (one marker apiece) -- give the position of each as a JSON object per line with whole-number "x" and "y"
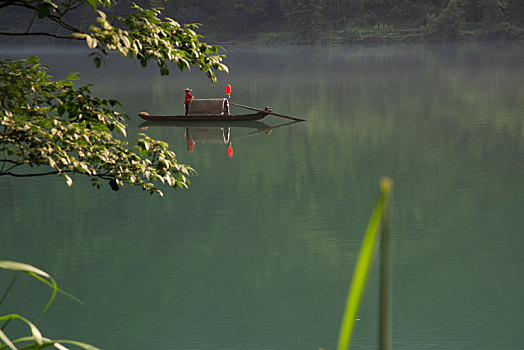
{"x": 259, "y": 252}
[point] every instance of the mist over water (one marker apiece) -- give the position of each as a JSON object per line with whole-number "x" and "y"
{"x": 259, "y": 252}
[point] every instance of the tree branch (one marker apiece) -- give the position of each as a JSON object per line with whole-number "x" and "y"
{"x": 65, "y": 25}
{"x": 8, "y": 161}
{"x": 69, "y": 7}
{"x": 6, "y": 3}
{"x": 106, "y": 176}
{"x": 32, "y": 21}
{"x": 54, "y": 18}
{"x": 16, "y": 3}
{"x": 40, "y": 34}
{"x": 31, "y": 175}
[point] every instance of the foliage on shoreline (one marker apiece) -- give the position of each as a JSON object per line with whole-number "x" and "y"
{"x": 371, "y": 36}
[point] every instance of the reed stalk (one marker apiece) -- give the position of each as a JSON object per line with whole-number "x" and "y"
{"x": 378, "y": 229}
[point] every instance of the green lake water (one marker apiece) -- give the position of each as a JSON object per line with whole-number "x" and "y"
{"x": 259, "y": 252}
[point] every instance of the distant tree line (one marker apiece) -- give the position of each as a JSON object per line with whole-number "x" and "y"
{"x": 316, "y": 20}
{"x": 340, "y": 20}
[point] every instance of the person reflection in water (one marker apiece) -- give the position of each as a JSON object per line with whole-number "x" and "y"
{"x": 189, "y": 142}
{"x": 188, "y": 99}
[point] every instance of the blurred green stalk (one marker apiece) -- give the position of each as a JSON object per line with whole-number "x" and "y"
{"x": 380, "y": 220}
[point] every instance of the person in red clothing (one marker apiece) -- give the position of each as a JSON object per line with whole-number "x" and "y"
{"x": 188, "y": 99}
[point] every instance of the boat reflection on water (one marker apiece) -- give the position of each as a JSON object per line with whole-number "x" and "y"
{"x": 206, "y": 135}
{"x": 216, "y": 132}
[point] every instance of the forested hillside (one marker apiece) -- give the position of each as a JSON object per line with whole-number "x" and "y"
{"x": 333, "y": 21}
{"x": 353, "y": 20}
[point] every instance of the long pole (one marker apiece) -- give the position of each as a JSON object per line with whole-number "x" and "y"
{"x": 273, "y": 113}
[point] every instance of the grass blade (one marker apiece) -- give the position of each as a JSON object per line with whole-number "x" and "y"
{"x": 40, "y": 275}
{"x": 17, "y": 266}
{"x": 6, "y": 340}
{"x": 56, "y": 343}
{"x": 77, "y": 343}
{"x": 36, "y": 340}
{"x": 363, "y": 265}
{"x": 48, "y": 343}
{"x": 53, "y": 285}
{"x": 8, "y": 289}
{"x": 37, "y": 336}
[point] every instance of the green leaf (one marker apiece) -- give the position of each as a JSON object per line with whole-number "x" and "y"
{"x": 126, "y": 41}
{"x": 68, "y": 180}
{"x": 102, "y": 14}
{"x": 92, "y": 3}
{"x": 79, "y": 36}
{"x": 91, "y": 42}
{"x": 43, "y": 10}
{"x": 72, "y": 76}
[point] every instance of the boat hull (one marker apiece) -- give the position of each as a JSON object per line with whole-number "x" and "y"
{"x": 203, "y": 117}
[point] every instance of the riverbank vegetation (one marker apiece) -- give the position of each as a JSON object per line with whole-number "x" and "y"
{"x": 320, "y": 21}
{"x": 355, "y": 21}
{"x": 351, "y": 21}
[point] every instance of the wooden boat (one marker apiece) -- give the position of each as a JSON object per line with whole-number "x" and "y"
{"x": 203, "y": 117}
{"x": 206, "y": 110}
{"x": 249, "y": 124}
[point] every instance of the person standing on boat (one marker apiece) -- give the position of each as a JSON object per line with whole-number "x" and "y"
{"x": 188, "y": 99}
